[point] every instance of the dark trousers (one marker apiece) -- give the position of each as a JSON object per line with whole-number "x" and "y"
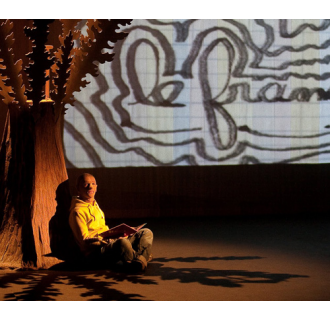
{"x": 130, "y": 248}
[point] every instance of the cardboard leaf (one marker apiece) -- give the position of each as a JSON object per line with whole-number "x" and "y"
{"x": 12, "y": 85}
{"x": 90, "y": 52}
{"x": 63, "y": 73}
{"x": 40, "y": 60}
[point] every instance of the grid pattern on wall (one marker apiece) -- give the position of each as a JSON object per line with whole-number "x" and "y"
{"x": 207, "y": 92}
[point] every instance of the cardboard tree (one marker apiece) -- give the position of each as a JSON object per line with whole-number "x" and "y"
{"x": 32, "y": 166}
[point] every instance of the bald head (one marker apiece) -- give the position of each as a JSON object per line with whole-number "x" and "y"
{"x": 83, "y": 177}
{"x": 86, "y": 187}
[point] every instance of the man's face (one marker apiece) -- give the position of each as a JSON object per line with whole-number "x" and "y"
{"x": 87, "y": 188}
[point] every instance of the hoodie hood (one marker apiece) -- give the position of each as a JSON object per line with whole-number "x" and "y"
{"x": 78, "y": 203}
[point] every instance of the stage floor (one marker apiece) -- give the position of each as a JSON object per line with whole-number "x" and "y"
{"x": 202, "y": 259}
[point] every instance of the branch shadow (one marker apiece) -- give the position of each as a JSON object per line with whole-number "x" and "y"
{"x": 223, "y": 278}
{"x": 41, "y": 286}
{"x": 98, "y": 284}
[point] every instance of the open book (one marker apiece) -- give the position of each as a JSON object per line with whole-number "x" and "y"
{"x": 122, "y": 230}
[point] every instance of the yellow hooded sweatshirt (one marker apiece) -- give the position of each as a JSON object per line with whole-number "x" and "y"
{"x": 86, "y": 221}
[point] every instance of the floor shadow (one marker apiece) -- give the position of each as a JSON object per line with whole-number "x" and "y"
{"x": 194, "y": 259}
{"x": 224, "y": 278}
{"x": 41, "y": 285}
{"x": 98, "y": 284}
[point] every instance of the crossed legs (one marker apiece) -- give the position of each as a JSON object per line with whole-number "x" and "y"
{"x": 134, "y": 250}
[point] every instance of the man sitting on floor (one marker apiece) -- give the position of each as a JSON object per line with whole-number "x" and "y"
{"x": 87, "y": 222}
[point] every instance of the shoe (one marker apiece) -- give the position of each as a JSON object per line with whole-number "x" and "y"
{"x": 139, "y": 264}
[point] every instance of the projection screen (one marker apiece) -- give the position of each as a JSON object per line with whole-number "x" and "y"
{"x": 207, "y": 92}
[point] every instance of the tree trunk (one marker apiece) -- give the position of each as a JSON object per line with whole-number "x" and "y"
{"x": 32, "y": 167}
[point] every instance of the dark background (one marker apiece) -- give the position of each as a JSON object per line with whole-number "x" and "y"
{"x": 294, "y": 189}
